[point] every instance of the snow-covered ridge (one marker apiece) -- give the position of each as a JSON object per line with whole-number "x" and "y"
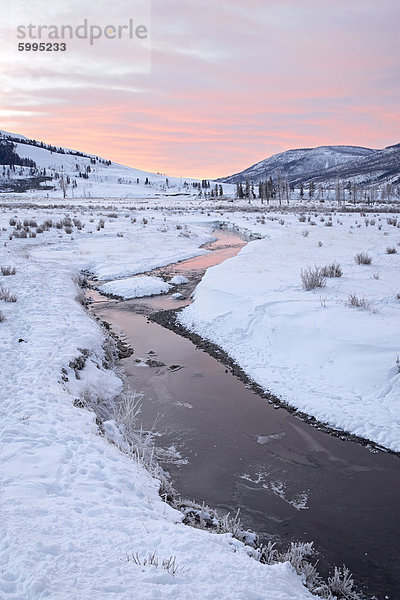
{"x": 7, "y": 134}
{"x": 325, "y": 164}
{"x": 61, "y": 172}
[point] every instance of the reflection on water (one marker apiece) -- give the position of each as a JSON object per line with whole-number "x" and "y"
{"x": 227, "y": 244}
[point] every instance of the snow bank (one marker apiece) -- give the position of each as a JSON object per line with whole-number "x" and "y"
{"x": 135, "y": 287}
{"x": 141, "y": 248}
{"x": 74, "y": 508}
{"x": 310, "y": 348}
{"x": 179, "y": 280}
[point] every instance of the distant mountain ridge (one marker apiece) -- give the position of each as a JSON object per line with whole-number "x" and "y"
{"x": 325, "y": 164}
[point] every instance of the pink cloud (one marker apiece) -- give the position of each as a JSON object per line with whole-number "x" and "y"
{"x": 230, "y": 85}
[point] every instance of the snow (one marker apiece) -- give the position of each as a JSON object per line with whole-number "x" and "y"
{"x": 135, "y": 287}
{"x": 74, "y": 508}
{"x": 14, "y": 135}
{"x": 179, "y": 280}
{"x": 302, "y": 163}
{"x": 103, "y": 181}
{"x": 142, "y": 247}
{"x": 311, "y": 349}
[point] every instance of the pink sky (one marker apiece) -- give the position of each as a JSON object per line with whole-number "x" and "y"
{"x": 230, "y": 84}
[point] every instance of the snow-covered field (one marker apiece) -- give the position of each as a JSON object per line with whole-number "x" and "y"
{"x": 313, "y": 349}
{"x": 74, "y": 509}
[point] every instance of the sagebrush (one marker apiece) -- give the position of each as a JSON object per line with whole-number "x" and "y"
{"x": 7, "y": 295}
{"x": 358, "y": 302}
{"x": 312, "y": 278}
{"x": 362, "y": 258}
{"x": 332, "y": 270}
{"x": 8, "y": 270}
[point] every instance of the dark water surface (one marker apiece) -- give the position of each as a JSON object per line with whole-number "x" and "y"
{"x": 230, "y": 448}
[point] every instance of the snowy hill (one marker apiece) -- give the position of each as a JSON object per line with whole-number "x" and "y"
{"x": 46, "y": 170}
{"x": 327, "y": 163}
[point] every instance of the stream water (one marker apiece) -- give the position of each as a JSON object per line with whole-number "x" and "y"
{"x": 225, "y": 445}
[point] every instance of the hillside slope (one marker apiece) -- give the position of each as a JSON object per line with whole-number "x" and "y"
{"x": 326, "y": 164}
{"x": 50, "y": 171}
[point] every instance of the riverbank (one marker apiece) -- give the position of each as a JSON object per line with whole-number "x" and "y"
{"x": 330, "y": 352}
{"x": 230, "y": 448}
{"x": 80, "y": 518}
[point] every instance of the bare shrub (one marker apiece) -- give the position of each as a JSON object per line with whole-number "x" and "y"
{"x": 322, "y": 301}
{"x": 127, "y": 411}
{"x": 376, "y": 275}
{"x": 362, "y": 258}
{"x": 2, "y": 317}
{"x": 6, "y": 295}
{"x": 312, "y": 277}
{"x": 338, "y": 587}
{"x": 168, "y": 564}
{"x": 8, "y": 270}
{"x": 269, "y": 554}
{"x": 305, "y": 233}
{"x": 297, "y": 553}
{"x": 341, "y": 584}
{"x": 20, "y": 234}
{"x": 100, "y": 224}
{"x": 302, "y": 218}
{"x": 30, "y": 223}
{"x": 391, "y": 250}
{"x": 68, "y": 229}
{"x": 311, "y": 575}
{"x": 319, "y": 244}
{"x": 358, "y": 302}
{"x": 397, "y": 362}
{"x": 332, "y": 270}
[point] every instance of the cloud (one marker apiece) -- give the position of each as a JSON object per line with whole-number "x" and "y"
{"x": 230, "y": 83}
